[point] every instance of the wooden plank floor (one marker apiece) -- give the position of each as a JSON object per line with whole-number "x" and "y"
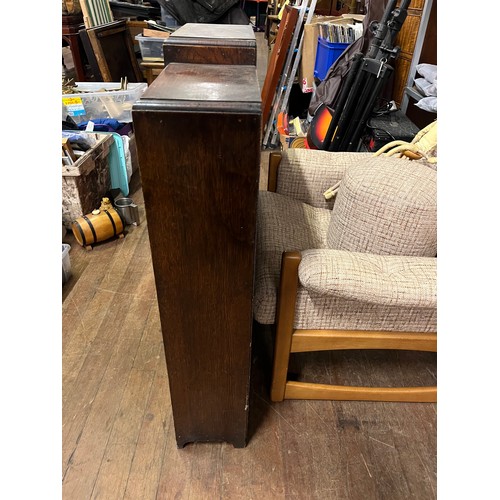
{"x": 118, "y": 437}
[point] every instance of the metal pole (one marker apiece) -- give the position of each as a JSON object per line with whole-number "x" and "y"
{"x": 291, "y": 78}
{"x": 285, "y": 79}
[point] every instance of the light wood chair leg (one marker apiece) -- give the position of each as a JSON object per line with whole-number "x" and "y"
{"x": 272, "y": 179}
{"x": 285, "y": 315}
{"x": 289, "y": 340}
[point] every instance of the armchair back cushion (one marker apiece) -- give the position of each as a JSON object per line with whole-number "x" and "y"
{"x": 386, "y": 206}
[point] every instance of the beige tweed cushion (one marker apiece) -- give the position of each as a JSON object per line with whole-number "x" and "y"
{"x": 391, "y": 294}
{"x": 284, "y": 224}
{"x": 386, "y": 206}
{"x": 305, "y": 174}
{"x": 377, "y": 279}
{"x": 287, "y": 225}
{"x": 341, "y": 289}
{"x": 314, "y": 311}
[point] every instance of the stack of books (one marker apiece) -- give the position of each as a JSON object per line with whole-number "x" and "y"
{"x": 336, "y": 32}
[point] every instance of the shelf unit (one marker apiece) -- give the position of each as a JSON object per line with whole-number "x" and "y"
{"x": 409, "y": 89}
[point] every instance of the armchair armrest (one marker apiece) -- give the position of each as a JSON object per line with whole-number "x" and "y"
{"x": 305, "y": 174}
{"x": 377, "y": 279}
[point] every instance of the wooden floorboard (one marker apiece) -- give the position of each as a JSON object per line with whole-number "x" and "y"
{"x": 118, "y": 436}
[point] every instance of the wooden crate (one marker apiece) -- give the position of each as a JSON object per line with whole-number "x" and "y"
{"x": 86, "y": 181}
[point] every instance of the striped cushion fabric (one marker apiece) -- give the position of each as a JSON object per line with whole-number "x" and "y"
{"x": 376, "y": 288}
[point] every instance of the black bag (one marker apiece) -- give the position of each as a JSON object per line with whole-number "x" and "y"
{"x": 203, "y": 11}
{"x": 327, "y": 91}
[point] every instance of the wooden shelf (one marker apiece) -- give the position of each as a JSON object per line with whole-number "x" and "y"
{"x": 413, "y": 92}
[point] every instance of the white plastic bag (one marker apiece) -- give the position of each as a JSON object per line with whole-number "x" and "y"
{"x": 428, "y": 71}
{"x": 426, "y": 88}
{"x": 428, "y": 104}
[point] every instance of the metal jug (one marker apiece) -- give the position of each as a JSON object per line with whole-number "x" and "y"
{"x": 128, "y": 210}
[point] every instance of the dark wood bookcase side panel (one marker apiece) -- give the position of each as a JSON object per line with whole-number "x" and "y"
{"x": 200, "y": 174}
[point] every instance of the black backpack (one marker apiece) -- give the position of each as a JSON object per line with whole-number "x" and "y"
{"x": 327, "y": 91}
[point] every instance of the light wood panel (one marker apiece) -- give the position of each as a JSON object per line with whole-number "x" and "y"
{"x": 322, "y": 340}
{"x": 114, "y": 52}
{"x": 306, "y": 390}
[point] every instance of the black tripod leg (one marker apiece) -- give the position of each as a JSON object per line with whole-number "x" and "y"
{"x": 344, "y": 114}
{"x": 344, "y": 94}
{"x": 357, "y": 114}
{"x": 367, "y": 109}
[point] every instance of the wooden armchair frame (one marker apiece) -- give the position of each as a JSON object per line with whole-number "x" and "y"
{"x": 290, "y": 340}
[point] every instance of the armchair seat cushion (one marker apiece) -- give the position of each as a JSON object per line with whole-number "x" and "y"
{"x": 285, "y": 224}
{"x": 317, "y": 312}
{"x": 387, "y": 280}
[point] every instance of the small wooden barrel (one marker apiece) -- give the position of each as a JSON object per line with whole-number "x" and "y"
{"x": 92, "y": 228}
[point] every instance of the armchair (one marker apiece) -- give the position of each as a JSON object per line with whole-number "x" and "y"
{"x": 357, "y": 271}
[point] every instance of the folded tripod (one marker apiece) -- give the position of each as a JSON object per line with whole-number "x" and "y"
{"x": 366, "y": 78}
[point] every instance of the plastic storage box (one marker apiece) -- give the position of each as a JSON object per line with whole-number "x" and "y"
{"x": 326, "y": 54}
{"x": 94, "y": 103}
{"x": 66, "y": 263}
{"x": 151, "y": 48}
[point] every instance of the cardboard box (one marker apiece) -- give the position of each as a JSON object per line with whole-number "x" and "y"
{"x": 310, "y": 45}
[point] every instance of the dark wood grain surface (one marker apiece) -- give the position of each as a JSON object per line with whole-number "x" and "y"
{"x": 70, "y": 26}
{"x": 200, "y": 174}
{"x": 211, "y": 44}
{"x": 203, "y": 53}
{"x": 234, "y": 32}
{"x": 203, "y": 87}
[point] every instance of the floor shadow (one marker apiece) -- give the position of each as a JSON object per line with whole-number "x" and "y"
{"x": 260, "y": 381}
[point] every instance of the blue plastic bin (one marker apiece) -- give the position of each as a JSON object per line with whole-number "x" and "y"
{"x": 326, "y": 54}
